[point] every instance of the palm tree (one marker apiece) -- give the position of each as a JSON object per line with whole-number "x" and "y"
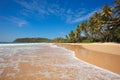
{"x": 72, "y": 36}
{"x": 102, "y": 26}
{"x": 97, "y": 24}
{"x": 106, "y": 13}
{"x": 116, "y": 23}
{"x": 78, "y": 34}
{"x": 84, "y": 28}
{"x": 91, "y": 28}
{"x": 117, "y": 12}
{"x": 107, "y": 16}
{"x": 117, "y": 7}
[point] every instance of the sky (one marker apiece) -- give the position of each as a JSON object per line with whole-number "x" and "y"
{"x": 44, "y": 18}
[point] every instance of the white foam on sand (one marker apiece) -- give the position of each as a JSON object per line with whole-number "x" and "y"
{"x": 11, "y": 49}
{"x": 62, "y": 61}
{"x": 24, "y": 44}
{"x": 73, "y": 55}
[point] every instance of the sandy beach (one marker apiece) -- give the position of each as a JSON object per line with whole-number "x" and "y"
{"x": 105, "y": 55}
{"x": 46, "y": 61}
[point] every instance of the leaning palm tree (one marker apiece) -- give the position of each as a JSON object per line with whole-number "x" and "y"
{"x": 78, "y": 34}
{"x": 117, "y": 7}
{"x": 72, "y": 36}
{"x": 107, "y": 16}
{"x": 116, "y": 23}
{"x": 106, "y": 13}
{"x": 117, "y": 11}
{"x": 91, "y": 28}
{"x": 84, "y": 28}
{"x": 97, "y": 25}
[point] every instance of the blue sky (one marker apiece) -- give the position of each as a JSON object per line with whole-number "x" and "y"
{"x": 44, "y": 18}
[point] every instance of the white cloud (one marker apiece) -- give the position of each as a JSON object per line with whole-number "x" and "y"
{"x": 15, "y": 20}
{"x": 45, "y": 8}
{"x": 62, "y": 33}
{"x": 38, "y": 7}
{"x": 82, "y": 18}
{"x": 18, "y": 21}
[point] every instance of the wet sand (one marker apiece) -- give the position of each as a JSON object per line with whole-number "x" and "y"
{"x": 47, "y": 62}
{"x": 105, "y": 55}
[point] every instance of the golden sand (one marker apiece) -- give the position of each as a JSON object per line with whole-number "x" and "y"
{"x": 55, "y": 63}
{"x": 105, "y": 55}
{"x": 41, "y": 64}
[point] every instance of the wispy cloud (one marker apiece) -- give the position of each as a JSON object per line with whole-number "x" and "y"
{"x": 62, "y": 33}
{"x": 15, "y": 20}
{"x": 45, "y": 8}
{"x": 18, "y": 21}
{"x": 83, "y": 17}
{"x": 39, "y": 7}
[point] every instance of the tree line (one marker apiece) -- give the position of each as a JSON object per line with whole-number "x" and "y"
{"x": 103, "y": 26}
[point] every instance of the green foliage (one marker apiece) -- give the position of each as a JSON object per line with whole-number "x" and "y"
{"x": 60, "y": 40}
{"x": 77, "y": 34}
{"x": 103, "y": 26}
{"x": 72, "y": 37}
{"x": 86, "y": 41}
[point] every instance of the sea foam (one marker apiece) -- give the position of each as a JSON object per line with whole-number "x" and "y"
{"x": 55, "y": 62}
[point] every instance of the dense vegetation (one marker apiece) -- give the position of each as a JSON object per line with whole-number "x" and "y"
{"x": 33, "y": 40}
{"x": 103, "y": 26}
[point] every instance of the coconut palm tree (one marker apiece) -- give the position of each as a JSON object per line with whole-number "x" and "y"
{"x": 72, "y": 36}
{"x": 91, "y": 28}
{"x": 106, "y": 13}
{"x": 84, "y": 28}
{"x": 102, "y": 26}
{"x": 117, "y": 7}
{"x": 117, "y": 12}
{"x": 107, "y": 16}
{"x": 98, "y": 26}
{"x": 78, "y": 34}
{"x": 116, "y": 23}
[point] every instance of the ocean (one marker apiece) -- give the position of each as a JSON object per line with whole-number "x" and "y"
{"x": 46, "y": 61}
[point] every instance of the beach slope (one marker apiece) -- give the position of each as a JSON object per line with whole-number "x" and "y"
{"x": 105, "y": 55}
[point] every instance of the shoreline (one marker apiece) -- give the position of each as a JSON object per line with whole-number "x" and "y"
{"x": 104, "y": 55}
{"x": 47, "y": 61}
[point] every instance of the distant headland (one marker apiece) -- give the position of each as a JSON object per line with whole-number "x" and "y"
{"x": 33, "y": 40}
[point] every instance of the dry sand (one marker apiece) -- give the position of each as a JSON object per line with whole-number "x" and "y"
{"x": 105, "y": 55}
{"x": 111, "y": 48}
{"x": 55, "y": 63}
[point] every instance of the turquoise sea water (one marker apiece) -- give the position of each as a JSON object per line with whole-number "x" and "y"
{"x": 11, "y": 42}
{"x": 6, "y": 42}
